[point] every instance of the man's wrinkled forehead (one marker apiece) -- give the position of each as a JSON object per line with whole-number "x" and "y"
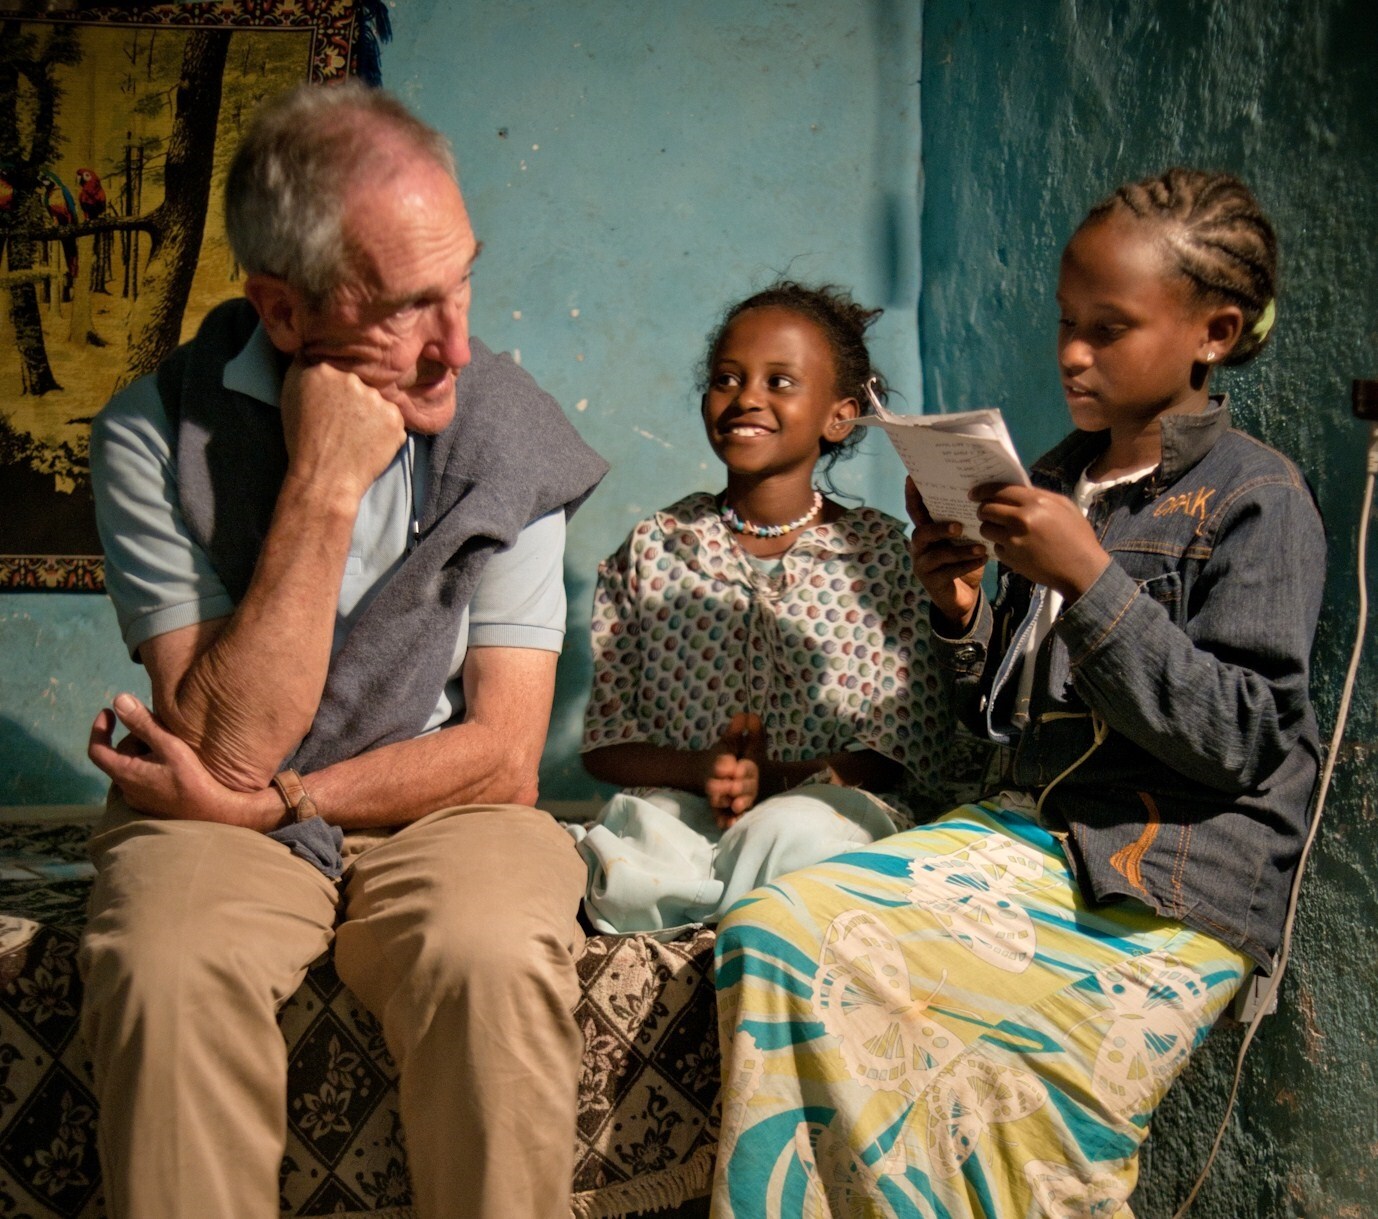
{"x": 416, "y": 225}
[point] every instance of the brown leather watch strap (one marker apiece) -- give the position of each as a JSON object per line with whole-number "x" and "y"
{"x": 300, "y": 806}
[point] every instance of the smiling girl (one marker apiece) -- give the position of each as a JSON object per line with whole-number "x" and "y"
{"x": 761, "y": 677}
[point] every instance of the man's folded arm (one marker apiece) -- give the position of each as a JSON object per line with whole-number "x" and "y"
{"x": 242, "y": 691}
{"x": 493, "y": 757}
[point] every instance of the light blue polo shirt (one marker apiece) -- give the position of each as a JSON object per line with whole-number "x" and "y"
{"x": 160, "y": 579}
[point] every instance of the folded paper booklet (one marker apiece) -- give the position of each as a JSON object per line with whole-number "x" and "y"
{"x": 947, "y": 455}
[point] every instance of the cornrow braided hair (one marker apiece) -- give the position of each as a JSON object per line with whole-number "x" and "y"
{"x": 842, "y": 320}
{"x": 1222, "y": 242}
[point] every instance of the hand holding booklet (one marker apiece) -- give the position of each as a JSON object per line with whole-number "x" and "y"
{"x": 948, "y": 455}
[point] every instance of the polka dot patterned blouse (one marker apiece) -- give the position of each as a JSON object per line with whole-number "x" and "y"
{"x": 830, "y": 649}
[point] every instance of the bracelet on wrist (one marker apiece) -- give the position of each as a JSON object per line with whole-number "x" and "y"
{"x": 300, "y": 806}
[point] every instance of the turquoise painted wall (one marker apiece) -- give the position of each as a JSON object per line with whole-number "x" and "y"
{"x": 632, "y": 169}
{"x": 61, "y": 660}
{"x": 1033, "y": 111}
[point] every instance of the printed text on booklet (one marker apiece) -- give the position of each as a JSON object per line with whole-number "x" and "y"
{"x": 948, "y": 455}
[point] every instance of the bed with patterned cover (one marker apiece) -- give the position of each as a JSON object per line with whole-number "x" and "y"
{"x": 647, "y": 1098}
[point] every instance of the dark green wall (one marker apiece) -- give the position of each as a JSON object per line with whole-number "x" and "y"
{"x": 1030, "y": 113}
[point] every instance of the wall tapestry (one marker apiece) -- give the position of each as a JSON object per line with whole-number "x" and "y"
{"x": 116, "y": 127}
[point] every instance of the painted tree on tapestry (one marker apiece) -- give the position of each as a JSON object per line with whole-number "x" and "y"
{"x": 48, "y": 223}
{"x": 52, "y": 214}
{"x": 177, "y": 224}
{"x": 29, "y": 194}
{"x": 111, "y": 238}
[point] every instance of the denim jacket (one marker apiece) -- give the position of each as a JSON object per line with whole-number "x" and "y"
{"x": 1170, "y": 727}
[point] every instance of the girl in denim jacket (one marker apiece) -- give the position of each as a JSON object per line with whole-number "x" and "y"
{"x": 980, "y": 1016}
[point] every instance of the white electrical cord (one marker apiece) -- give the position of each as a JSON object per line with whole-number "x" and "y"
{"x": 1265, "y": 998}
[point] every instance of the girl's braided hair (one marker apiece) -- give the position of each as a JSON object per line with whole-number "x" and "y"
{"x": 1219, "y": 239}
{"x": 842, "y": 320}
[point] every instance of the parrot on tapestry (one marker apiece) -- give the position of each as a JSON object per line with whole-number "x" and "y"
{"x": 95, "y": 206}
{"x": 62, "y": 208}
{"x": 90, "y": 194}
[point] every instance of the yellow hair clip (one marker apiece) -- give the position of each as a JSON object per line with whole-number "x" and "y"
{"x": 1265, "y": 321}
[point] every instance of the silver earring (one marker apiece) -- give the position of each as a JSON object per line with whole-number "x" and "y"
{"x": 1210, "y": 356}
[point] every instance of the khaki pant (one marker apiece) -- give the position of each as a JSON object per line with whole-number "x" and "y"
{"x": 459, "y": 934}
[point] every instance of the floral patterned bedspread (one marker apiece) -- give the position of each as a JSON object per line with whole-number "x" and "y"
{"x": 647, "y": 1126}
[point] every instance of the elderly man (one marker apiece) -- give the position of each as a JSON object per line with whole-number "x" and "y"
{"x": 334, "y": 532}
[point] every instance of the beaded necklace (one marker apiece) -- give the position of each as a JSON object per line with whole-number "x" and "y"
{"x": 738, "y": 525}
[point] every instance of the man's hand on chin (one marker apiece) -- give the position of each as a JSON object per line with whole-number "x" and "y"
{"x": 338, "y": 428}
{"x": 160, "y": 774}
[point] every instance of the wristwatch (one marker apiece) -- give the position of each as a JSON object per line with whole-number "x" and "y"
{"x": 300, "y": 806}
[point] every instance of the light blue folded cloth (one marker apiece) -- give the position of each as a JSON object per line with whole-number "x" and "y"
{"x": 658, "y": 862}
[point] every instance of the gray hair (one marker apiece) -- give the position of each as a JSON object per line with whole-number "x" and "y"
{"x": 286, "y": 186}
